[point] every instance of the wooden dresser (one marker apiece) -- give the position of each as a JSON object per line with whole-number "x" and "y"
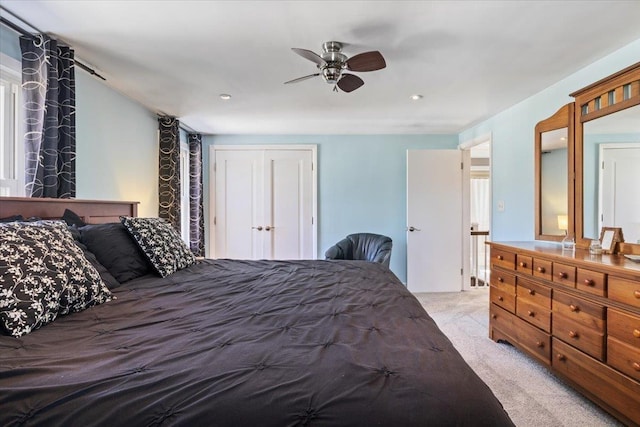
{"x": 578, "y": 314}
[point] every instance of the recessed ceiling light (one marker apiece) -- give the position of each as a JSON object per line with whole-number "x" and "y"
{"x": 225, "y": 96}
{"x": 416, "y": 97}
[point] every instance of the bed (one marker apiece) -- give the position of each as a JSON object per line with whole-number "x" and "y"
{"x": 240, "y": 343}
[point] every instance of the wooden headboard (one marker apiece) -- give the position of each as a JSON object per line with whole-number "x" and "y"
{"x": 91, "y": 211}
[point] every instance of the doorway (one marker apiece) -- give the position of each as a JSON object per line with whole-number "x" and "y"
{"x": 479, "y": 211}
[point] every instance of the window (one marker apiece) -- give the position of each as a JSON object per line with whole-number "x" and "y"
{"x": 11, "y": 143}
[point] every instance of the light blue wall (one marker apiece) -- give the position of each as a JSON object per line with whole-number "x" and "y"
{"x": 512, "y": 141}
{"x": 116, "y": 145}
{"x": 9, "y": 44}
{"x": 361, "y": 183}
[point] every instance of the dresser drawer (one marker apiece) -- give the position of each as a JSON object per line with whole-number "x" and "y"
{"x": 534, "y": 314}
{"x": 591, "y": 281}
{"x": 535, "y": 341}
{"x": 624, "y": 327}
{"x": 534, "y": 293}
{"x": 542, "y": 268}
{"x": 580, "y": 336}
{"x": 503, "y": 259}
{"x": 623, "y": 357}
{"x": 564, "y": 274}
{"x": 502, "y": 280}
{"x": 624, "y": 290}
{"x": 524, "y": 264}
{"x": 578, "y": 310}
{"x": 506, "y": 300}
{"x": 503, "y": 320}
{"x": 615, "y": 389}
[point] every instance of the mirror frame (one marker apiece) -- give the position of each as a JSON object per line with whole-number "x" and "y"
{"x": 592, "y": 102}
{"x": 562, "y": 118}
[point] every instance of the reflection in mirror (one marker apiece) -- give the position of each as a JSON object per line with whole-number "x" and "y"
{"x": 611, "y": 174}
{"x": 553, "y": 182}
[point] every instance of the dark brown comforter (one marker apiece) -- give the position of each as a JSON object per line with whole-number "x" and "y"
{"x": 246, "y": 343}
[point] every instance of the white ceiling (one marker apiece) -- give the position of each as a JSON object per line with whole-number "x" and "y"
{"x": 470, "y": 59}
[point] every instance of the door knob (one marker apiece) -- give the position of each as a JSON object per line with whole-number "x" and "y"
{"x": 268, "y": 228}
{"x": 412, "y": 228}
{"x": 259, "y": 228}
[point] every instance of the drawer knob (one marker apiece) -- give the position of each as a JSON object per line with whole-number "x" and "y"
{"x": 500, "y": 257}
{"x": 531, "y": 313}
{"x": 636, "y": 366}
{"x": 540, "y": 344}
{"x": 636, "y": 294}
{"x": 574, "y": 308}
{"x": 500, "y": 279}
{"x": 589, "y": 282}
{"x": 573, "y": 334}
{"x": 493, "y": 316}
{"x": 563, "y": 275}
{"x": 531, "y": 292}
{"x": 541, "y": 269}
{"x": 523, "y": 264}
{"x": 636, "y": 333}
{"x": 561, "y": 357}
{"x": 500, "y": 299}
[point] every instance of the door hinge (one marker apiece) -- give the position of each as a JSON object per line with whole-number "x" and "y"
{"x": 462, "y": 165}
{"x": 214, "y": 220}
{"x": 462, "y": 272}
{"x": 215, "y": 166}
{"x": 311, "y": 220}
{"x": 603, "y": 164}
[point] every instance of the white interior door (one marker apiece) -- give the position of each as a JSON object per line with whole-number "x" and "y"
{"x": 435, "y": 214}
{"x": 288, "y": 189}
{"x": 239, "y": 204}
{"x": 620, "y": 189}
{"x": 265, "y": 202}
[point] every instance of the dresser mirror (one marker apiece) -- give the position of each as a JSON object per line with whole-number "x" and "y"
{"x": 554, "y": 182}
{"x": 607, "y": 149}
{"x": 611, "y": 174}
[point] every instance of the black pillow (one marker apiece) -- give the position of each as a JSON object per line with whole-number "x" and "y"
{"x": 107, "y": 277}
{"x": 12, "y": 218}
{"x": 72, "y": 218}
{"x": 43, "y": 275}
{"x": 116, "y": 250}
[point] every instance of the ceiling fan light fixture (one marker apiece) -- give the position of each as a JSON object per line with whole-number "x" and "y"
{"x": 416, "y": 97}
{"x": 225, "y": 96}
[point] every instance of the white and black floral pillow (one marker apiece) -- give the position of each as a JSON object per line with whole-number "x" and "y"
{"x": 160, "y": 243}
{"x": 43, "y": 274}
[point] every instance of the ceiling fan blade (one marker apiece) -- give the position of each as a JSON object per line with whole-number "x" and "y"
{"x": 350, "y": 82}
{"x": 299, "y": 79}
{"x": 311, "y": 56}
{"x": 367, "y": 61}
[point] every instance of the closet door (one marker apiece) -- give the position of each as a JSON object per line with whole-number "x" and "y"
{"x": 288, "y": 190}
{"x": 264, "y": 203}
{"x": 239, "y": 204}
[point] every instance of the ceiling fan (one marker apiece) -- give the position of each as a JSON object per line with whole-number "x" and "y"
{"x": 331, "y": 62}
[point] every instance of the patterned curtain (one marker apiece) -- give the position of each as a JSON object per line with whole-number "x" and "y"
{"x": 48, "y": 85}
{"x": 196, "y": 214}
{"x": 169, "y": 168}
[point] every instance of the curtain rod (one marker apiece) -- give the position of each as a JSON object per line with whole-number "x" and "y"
{"x": 24, "y": 32}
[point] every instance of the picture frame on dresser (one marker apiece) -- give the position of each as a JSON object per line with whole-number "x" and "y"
{"x": 609, "y": 238}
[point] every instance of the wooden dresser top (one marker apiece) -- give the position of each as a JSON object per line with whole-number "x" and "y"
{"x": 580, "y": 257}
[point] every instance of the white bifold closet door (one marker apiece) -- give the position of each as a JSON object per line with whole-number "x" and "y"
{"x": 264, "y": 204}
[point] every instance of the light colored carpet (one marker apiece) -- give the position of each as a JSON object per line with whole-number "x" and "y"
{"x": 530, "y": 393}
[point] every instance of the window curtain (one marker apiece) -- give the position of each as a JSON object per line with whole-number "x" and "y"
{"x": 196, "y": 214}
{"x": 48, "y": 85}
{"x": 169, "y": 170}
